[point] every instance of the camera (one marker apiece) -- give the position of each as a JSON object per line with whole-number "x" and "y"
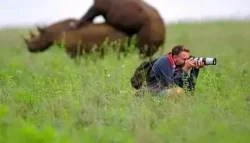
{"x": 206, "y": 60}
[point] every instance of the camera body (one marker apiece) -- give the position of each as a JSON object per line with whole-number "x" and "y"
{"x": 206, "y": 60}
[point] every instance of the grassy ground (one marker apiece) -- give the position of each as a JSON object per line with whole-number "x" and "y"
{"x": 47, "y": 98}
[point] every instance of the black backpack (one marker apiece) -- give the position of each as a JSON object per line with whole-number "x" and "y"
{"x": 141, "y": 74}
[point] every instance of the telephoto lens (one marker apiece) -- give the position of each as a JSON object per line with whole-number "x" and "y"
{"x": 206, "y": 60}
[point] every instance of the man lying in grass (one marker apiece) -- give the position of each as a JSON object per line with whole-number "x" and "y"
{"x": 169, "y": 74}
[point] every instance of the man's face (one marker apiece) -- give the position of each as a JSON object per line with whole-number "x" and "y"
{"x": 181, "y": 58}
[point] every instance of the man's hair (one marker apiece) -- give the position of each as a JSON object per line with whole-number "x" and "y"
{"x": 179, "y": 48}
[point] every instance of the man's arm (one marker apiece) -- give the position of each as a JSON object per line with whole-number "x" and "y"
{"x": 186, "y": 80}
{"x": 193, "y": 77}
{"x": 163, "y": 71}
{"x": 181, "y": 78}
{"x": 195, "y": 72}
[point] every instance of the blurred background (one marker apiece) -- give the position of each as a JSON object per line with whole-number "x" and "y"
{"x": 30, "y": 12}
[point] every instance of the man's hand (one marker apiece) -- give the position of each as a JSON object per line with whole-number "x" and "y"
{"x": 199, "y": 64}
{"x": 189, "y": 64}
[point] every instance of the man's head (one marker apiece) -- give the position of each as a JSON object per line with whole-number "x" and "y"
{"x": 180, "y": 54}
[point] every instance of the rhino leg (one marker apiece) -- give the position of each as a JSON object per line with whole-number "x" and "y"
{"x": 89, "y": 16}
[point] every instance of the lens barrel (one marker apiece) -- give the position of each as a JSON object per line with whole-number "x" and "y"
{"x": 206, "y": 60}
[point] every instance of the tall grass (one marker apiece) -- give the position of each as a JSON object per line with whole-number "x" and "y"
{"x": 45, "y": 97}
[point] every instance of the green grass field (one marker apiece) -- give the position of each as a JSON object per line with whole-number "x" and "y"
{"x": 46, "y": 98}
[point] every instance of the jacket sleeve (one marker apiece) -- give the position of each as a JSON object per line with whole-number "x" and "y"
{"x": 181, "y": 78}
{"x": 193, "y": 78}
{"x": 187, "y": 80}
{"x": 163, "y": 72}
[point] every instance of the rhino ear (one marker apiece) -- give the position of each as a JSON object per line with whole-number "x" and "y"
{"x": 26, "y": 41}
{"x": 40, "y": 29}
{"x": 72, "y": 24}
{"x": 32, "y": 35}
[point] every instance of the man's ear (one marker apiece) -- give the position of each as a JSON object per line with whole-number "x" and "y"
{"x": 174, "y": 56}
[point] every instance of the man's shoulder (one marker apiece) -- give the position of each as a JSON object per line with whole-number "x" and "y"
{"x": 162, "y": 61}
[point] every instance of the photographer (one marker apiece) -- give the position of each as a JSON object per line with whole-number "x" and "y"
{"x": 173, "y": 72}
